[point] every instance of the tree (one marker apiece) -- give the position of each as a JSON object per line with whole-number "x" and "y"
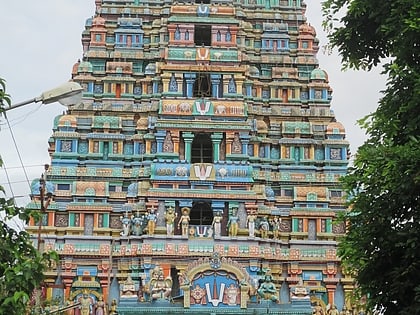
{"x": 381, "y": 246}
{"x": 21, "y": 265}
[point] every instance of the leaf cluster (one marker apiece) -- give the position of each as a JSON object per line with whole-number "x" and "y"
{"x": 381, "y": 246}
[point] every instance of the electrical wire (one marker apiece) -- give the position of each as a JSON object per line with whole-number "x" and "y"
{"x": 20, "y": 159}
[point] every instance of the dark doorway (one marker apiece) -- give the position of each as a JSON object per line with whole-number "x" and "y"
{"x": 201, "y": 213}
{"x": 202, "y": 35}
{"x": 202, "y": 149}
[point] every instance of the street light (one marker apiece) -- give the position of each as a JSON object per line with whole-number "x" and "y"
{"x": 69, "y": 93}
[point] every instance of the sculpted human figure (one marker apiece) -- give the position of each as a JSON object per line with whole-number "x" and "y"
{"x": 85, "y": 304}
{"x": 126, "y": 225}
{"x": 251, "y": 224}
{"x": 137, "y": 224}
{"x": 100, "y": 306}
{"x": 299, "y": 291}
{"x": 264, "y": 228}
{"x": 276, "y": 227}
{"x": 113, "y": 307}
{"x": 128, "y": 288}
{"x": 233, "y": 223}
{"x": 151, "y": 221}
{"x": 268, "y": 290}
{"x": 333, "y": 310}
{"x": 318, "y": 309}
{"x": 160, "y": 288}
{"x": 170, "y": 216}
{"x": 184, "y": 221}
{"x": 217, "y": 224}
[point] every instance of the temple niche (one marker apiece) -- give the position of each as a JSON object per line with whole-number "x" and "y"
{"x": 201, "y": 170}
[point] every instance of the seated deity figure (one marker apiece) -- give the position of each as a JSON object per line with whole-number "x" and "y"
{"x": 160, "y": 288}
{"x": 128, "y": 288}
{"x": 299, "y": 291}
{"x": 267, "y": 290}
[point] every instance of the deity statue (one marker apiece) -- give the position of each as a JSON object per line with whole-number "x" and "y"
{"x": 160, "y": 288}
{"x": 217, "y": 223}
{"x": 267, "y": 290}
{"x": 264, "y": 228}
{"x": 299, "y": 291}
{"x": 113, "y": 307}
{"x": 128, "y": 288}
{"x": 333, "y": 310}
{"x": 184, "y": 221}
{"x": 137, "y": 224}
{"x": 86, "y": 303}
{"x": 151, "y": 221}
{"x": 126, "y": 225}
{"x": 170, "y": 216}
{"x": 100, "y": 306}
{"x": 232, "y": 295}
{"x": 318, "y": 310}
{"x": 233, "y": 223}
{"x": 250, "y": 219}
{"x": 276, "y": 227}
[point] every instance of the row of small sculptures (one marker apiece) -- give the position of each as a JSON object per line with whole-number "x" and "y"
{"x": 140, "y": 223}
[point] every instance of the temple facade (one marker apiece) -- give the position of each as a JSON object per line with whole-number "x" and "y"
{"x": 200, "y": 173}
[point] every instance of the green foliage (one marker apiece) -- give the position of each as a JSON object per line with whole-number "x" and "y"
{"x": 381, "y": 246}
{"x": 373, "y": 29}
{"x": 21, "y": 265}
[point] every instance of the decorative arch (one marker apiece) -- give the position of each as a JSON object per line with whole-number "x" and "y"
{"x": 216, "y": 267}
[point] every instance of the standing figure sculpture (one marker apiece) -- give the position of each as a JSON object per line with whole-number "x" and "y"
{"x": 217, "y": 224}
{"x": 184, "y": 221}
{"x": 85, "y": 304}
{"x": 276, "y": 227}
{"x": 126, "y": 225}
{"x": 264, "y": 228}
{"x": 333, "y": 310}
{"x": 233, "y": 223}
{"x": 251, "y": 224}
{"x": 170, "y": 216}
{"x": 151, "y": 221}
{"x": 113, "y": 307}
{"x": 100, "y": 306}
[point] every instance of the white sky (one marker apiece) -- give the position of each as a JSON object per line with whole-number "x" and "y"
{"x": 40, "y": 42}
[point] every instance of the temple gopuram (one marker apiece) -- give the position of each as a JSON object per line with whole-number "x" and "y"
{"x": 200, "y": 173}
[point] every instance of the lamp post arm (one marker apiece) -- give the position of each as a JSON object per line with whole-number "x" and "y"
{"x": 20, "y": 104}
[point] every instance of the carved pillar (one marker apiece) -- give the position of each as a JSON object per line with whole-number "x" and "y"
{"x": 188, "y": 139}
{"x": 215, "y": 83}
{"x": 216, "y": 138}
{"x": 175, "y": 140}
{"x": 160, "y": 137}
{"x": 229, "y": 140}
{"x": 190, "y": 79}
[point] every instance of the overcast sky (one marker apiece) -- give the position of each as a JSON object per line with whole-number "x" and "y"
{"x": 40, "y": 42}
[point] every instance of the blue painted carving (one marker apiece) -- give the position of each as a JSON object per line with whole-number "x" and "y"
{"x": 203, "y": 10}
{"x": 173, "y": 85}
